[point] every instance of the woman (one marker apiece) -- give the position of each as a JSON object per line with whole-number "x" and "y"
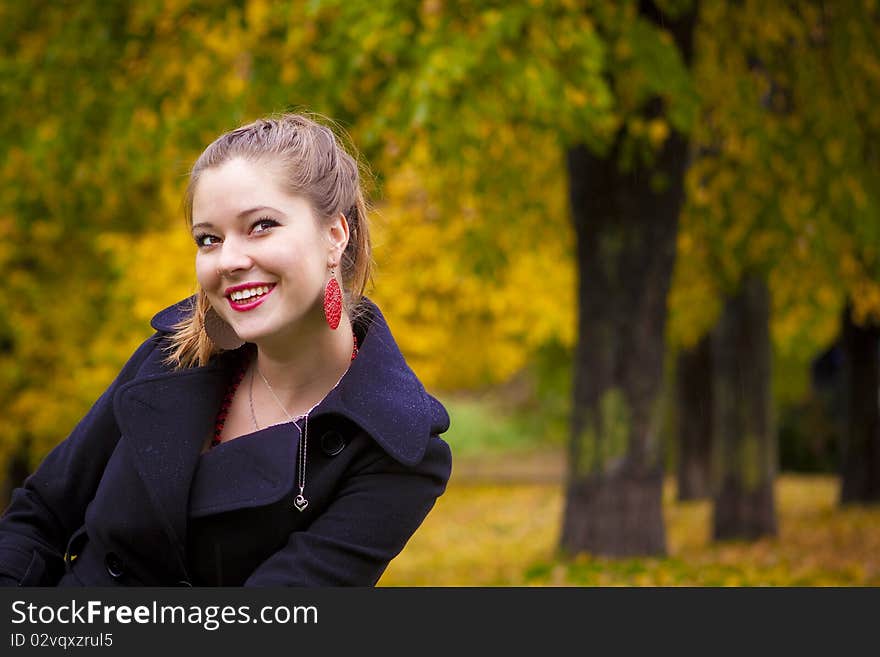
{"x": 270, "y": 432}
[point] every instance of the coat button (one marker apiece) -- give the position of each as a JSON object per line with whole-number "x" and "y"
{"x": 114, "y": 565}
{"x": 332, "y": 443}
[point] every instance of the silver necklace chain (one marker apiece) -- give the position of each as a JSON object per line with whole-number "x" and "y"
{"x": 300, "y": 502}
{"x": 251, "y": 400}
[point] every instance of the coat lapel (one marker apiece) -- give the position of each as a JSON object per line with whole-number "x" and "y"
{"x": 380, "y": 392}
{"x": 166, "y": 419}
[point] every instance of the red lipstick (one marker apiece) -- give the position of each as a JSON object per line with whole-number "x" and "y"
{"x": 250, "y": 302}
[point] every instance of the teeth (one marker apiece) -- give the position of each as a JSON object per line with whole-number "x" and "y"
{"x": 242, "y": 295}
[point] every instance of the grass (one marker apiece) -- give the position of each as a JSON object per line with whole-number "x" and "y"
{"x": 484, "y": 533}
{"x": 498, "y": 523}
{"x": 481, "y": 427}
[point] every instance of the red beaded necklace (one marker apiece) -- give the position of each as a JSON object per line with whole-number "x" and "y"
{"x": 240, "y": 371}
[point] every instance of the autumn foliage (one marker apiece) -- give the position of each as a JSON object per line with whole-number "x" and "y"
{"x": 504, "y": 534}
{"x": 462, "y": 112}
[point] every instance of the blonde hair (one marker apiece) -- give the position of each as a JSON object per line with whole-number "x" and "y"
{"x": 314, "y": 165}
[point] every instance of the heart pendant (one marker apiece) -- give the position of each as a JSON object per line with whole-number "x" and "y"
{"x": 300, "y": 503}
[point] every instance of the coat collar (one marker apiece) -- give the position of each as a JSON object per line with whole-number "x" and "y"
{"x": 379, "y": 392}
{"x": 167, "y": 414}
{"x": 166, "y": 417}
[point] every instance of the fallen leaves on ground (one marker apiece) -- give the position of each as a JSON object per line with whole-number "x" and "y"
{"x": 484, "y": 534}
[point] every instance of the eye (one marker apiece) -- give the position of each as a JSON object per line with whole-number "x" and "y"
{"x": 263, "y": 224}
{"x": 206, "y": 239}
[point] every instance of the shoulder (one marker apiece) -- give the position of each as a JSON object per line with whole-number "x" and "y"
{"x": 147, "y": 359}
{"x": 150, "y": 355}
{"x": 166, "y": 319}
{"x": 381, "y": 393}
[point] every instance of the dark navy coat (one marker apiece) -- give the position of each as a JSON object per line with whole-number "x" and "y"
{"x": 128, "y": 498}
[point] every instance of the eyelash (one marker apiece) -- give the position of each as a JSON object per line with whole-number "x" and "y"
{"x": 201, "y": 237}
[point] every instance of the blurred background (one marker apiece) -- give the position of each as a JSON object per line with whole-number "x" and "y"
{"x": 634, "y": 247}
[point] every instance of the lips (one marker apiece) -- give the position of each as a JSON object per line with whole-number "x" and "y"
{"x": 248, "y": 295}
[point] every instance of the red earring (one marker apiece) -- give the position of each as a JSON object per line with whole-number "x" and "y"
{"x": 332, "y": 302}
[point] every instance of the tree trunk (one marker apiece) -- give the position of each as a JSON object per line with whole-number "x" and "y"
{"x": 625, "y": 252}
{"x": 694, "y": 420}
{"x": 744, "y": 436}
{"x": 860, "y": 474}
{"x": 625, "y": 224}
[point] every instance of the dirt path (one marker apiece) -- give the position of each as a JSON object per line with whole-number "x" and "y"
{"x": 546, "y": 466}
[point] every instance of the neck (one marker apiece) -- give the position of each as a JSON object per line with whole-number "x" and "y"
{"x": 305, "y": 370}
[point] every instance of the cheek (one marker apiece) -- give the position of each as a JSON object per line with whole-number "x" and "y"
{"x": 206, "y": 274}
{"x": 293, "y": 261}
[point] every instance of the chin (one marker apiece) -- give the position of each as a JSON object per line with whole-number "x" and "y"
{"x": 252, "y": 335}
{"x": 259, "y": 334}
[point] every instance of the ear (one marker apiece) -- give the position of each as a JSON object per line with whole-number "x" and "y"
{"x": 337, "y": 236}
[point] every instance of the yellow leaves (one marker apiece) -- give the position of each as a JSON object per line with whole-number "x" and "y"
{"x": 473, "y": 280}
{"x": 289, "y": 72}
{"x": 762, "y": 246}
{"x": 834, "y": 151}
{"x": 685, "y": 244}
{"x": 827, "y": 296}
{"x": 693, "y": 301}
{"x": 45, "y": 230}
{"x": 864, "y": 290}
{"x": 856, "y": 192}
{"x": 774, "y": 23}
{"x": 234, "y": 86}
{"x": 256, "y": 14}
{"x": 491, "y": 17}
{"x": 7, "y": 247}
{"x": 460, "y": 323}
{"x": 480, "y": 534}
{"x": 484, "y": 534}
{"x": 700, "y": 196}
{"x": 849, "y": 266}
{"x": 576, "y": 97}
{"x": 866, "y": 302}
{"x": 145, "y": 119}
{"x": 47, "y": 130}
{"x": 547, "y": 278}
{"x": 158, "y": 269}
{"x": 431, "y": 11}
{"x": 658, "y": 131}
{"x": 740, "y": 147}
{"x": 622, "y": 49}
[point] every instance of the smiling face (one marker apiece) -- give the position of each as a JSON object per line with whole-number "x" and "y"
{"x": 263, "y": 256}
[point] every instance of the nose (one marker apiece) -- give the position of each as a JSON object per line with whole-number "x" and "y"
{"x": 234, "y": 257}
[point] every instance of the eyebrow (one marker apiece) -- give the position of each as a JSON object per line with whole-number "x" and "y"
{"x": 240, "y": 215}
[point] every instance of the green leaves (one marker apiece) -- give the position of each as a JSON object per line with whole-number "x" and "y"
{"x": 463, "y": 109}
{"x": 782, "y": 178}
